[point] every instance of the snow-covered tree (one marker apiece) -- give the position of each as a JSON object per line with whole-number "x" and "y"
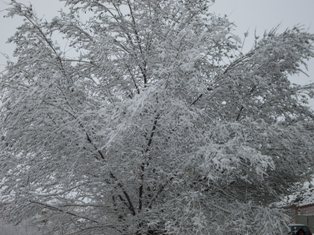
{"x": 154, "y": 123}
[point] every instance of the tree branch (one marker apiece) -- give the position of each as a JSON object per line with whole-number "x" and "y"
{"x": 145, "y": 164}
{"x": 160, "y": 190}
{"x": 54, "y": 208}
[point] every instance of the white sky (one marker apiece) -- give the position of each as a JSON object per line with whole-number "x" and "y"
{"x": 248, "y": 15}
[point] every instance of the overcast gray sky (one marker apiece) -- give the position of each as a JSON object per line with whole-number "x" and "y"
{"x": 248, "y": 15}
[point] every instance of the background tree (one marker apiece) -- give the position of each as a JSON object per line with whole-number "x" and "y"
{"x": 157, "y": 124}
